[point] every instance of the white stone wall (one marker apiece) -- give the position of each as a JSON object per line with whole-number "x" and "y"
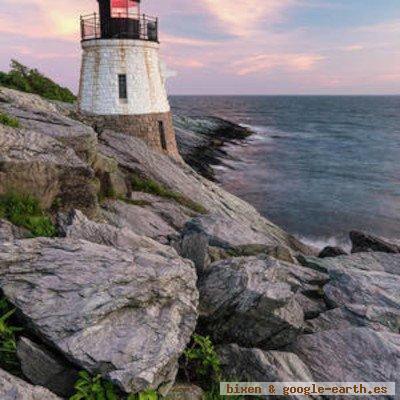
{"x": 104, "y": 59}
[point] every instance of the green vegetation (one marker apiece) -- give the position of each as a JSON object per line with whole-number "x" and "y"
{"x": 96, "y": 388}
{"x": 203, "y": 359}
{"x": 8, "y": 342}
{"x": 8, "y": 121}
{"x": 29, "y": 80}
{"x": 24, "y": 211}
{"x": 153, "y": 187}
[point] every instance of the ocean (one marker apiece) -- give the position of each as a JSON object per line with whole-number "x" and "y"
{"x": 318, "y": 166}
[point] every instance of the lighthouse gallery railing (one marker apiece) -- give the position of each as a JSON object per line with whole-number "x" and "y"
{"x": 140, "y": 27}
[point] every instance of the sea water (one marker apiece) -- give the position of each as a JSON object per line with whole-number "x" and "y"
{"x": 318, "y": 166}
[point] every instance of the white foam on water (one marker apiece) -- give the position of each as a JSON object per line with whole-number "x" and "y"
{"x": 321, "y": 242}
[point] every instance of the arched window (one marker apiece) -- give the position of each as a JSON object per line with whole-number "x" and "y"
{"x": 125, "y": 8}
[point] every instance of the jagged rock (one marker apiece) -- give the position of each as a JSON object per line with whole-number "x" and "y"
{"x": 312, "y": 307}
{"x": 185, "y": 391}
{"x": 44, "y": 369}
{"x": 366, "y": 285}
{"x": 39, "y": 115}
{"x": 12, "y": 388}
{"x": 133, "y": 155}
{"x": 252, "y": 301}
{"x": 350, "y": 355}
{"x": 35, "y": 164}
{"x": 255, "y": 365}
{"x": 355, "y": 316}
{"x": 126, "y": 315}
{"x": 139, "y": 219}
{"x": 330, "y": 251}
{"x": 202, "y": 235}
{"x": 112, "y": 180}
{"x": 10, "y": 232}
{"x": 363, "y": 242}
{"x": 75, "y": 225}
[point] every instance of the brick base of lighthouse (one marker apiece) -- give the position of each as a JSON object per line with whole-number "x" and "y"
{"x": 156, "y": 130}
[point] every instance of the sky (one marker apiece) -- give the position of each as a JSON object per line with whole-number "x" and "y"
{"x": 238, "y": 47}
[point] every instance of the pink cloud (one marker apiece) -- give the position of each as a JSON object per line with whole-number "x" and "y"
{"x": 267, "y": 62}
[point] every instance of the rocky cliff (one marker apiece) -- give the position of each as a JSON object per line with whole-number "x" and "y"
{"x": 146, "y": 252}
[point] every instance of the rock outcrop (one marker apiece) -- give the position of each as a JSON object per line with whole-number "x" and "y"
{"x": 331, "y": 252}
{"x": 36, "y": 164}
{"x": 254, "y": 302}
{"x": 363, "y": 242}
{"x": 255, "y": 365}
{"x": 350, "y": 355}
{"x": 12, "y": 388}
{"x": 364, "y": 290}
{"x": 45, "y": 369}
{"x": 41, "y": 116}
{"x": 126, "y": 315}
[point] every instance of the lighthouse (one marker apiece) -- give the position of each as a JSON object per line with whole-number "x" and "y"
{"x": 122, "y": 85}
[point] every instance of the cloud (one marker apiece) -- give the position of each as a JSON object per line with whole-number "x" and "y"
{"x": 243, "y": 17}
{"x": 268, "y": 62}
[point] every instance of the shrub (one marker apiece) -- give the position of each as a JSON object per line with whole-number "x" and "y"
{"x": 203, "y": 359}
{"x": 97, "y": 388}
{"x": 24, "y": 211}
{"x": 29, "y": 80}
{"x": 153, "y": 187}
{"x": 9, "y": 121}
{"x": 8, "y": 342}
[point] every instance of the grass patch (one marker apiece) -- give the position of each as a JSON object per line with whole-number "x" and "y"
{"x": 30, "y": 80}
{"x": 153, "y": 187}
{"x": 90, "y": 387}
{"x": 25, "y": 211}
{"x": 8, "y": 339}
{"x": 140, "y": 203}
{"x": 8, "y": 121}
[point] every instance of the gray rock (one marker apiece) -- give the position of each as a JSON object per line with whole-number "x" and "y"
{"x": 44, "y": 369}
{"x": 133, "y": 155}
{"x": 185, "y": 391}
{"x": 255, "y": 365}
{"x": 363, "y": 242}
{"x": 12, "y": 388}
{"x": 366, "y": 286}
{"x": 331, "y": 252}
{"x": 35, "y": 164}
{"x": 252, "y": 301}
{"x": 350, "y": 355}
{"x": 37, "y": 114}
{"x": 126, "y": 315}
{"x": 9, "y": 232}
{"x": 138, "y": 219}
{"x": 75, "y": 225}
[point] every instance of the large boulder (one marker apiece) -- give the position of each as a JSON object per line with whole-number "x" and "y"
{"x": 141, "y": 220}
{"x": 350, "y": 355}
{"x": 12, "y": 388}
{"x": 39, "y": 115}
{"x": 127, "y": 315}
{"x": 45, "y": 369}
{"x": 363, "y": 242}
{"x": 35, "y": 164}
{"x": 75, "y": 225}
{"x": 253, "y": 301}
{"x": 366, "y": 289}
{"x": 330, "y": 251}
{"x": 205, "y": 235}
{"x": 255, "y": 365}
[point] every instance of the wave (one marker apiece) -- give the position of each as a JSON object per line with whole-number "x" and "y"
{"x": 321, "y": 242}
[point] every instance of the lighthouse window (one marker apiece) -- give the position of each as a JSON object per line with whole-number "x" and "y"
{"x": 163, "y": 138}
{"x": 124, "y": 8}
{"x": 123, "y": 92}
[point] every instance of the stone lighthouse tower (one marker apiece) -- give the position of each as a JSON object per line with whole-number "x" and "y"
{"x": 122, "y": 85}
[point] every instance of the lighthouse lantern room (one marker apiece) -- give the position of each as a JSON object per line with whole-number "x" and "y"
{"x": 122, "y": 83}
